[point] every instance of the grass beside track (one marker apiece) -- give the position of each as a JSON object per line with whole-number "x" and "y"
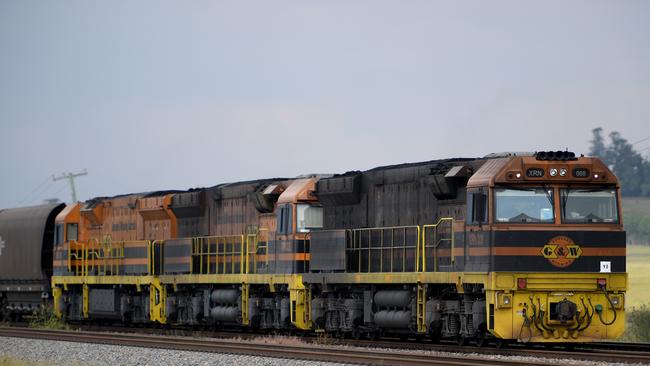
{"x": 638, "y": 259}
{"x": 13, "y": 361}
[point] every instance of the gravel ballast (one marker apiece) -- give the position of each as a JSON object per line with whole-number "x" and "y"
{"x": 71, "y": 353}
{"x": 75, "y": 354}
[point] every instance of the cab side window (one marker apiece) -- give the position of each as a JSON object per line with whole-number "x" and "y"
{"x": 477, "y": 206}
{"x": 284, "y": 224}
{"x": 71, "y": 232}
{"x": 58, "y": 234}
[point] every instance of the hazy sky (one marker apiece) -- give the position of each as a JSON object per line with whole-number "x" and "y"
{"x": 169, "y": 95}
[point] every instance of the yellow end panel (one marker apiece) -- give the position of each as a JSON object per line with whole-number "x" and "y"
{"x": 505, "y": 281}
{"x": 617, "y": 281}
{"x": 524, "y": 322}
{"x": 554, "y": 281}
{"x": 520, "y": 318}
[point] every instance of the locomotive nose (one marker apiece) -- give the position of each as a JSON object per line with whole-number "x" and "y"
{"x": 565, "y": 310}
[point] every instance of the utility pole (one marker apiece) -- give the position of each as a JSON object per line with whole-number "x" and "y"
{"x": 70, "y": 177}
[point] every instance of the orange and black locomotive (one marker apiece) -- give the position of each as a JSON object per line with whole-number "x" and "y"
{"x": 514, "y": 247}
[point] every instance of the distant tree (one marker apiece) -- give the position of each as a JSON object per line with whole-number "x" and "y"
{"x": 645, "y": 185}
{"x": 598, "y": 143}
{"x": 630, "y": 167}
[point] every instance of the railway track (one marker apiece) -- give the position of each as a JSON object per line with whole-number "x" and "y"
{"x": 375, "y": 352}
{"x": 302, "y": 352}
{"x": 603, "y": 351}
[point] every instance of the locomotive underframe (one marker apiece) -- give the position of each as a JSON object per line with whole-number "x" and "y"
{"x": 449, "y": 305}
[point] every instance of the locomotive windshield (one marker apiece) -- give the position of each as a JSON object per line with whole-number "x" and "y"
{"x": 523, "y": 205}
{"x": 589, "y": 205}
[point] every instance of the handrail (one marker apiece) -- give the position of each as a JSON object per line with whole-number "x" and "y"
{"x": 437, "y": 242}
{"x": 150, "y": 259}
{"x": 378, "y": 236}
{"x": 356, "y": 235}
{"x": 254, "y": 240}
{"x": 78, "y": 268}
{"x": 100, "y": 256}
{"x": 69, "y": 256}
{"x": 153, "y": 255}
{"x": 199, "y": 243}
{"x": 92, "y": 254}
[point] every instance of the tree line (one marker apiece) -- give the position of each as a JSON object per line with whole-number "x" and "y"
{"x": 632, "y": 170}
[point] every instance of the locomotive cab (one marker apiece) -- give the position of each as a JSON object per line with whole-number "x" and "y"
{"x": 66, "y": 234}
{"x": 553, "y": 227}
{"x": 297, "y": 213}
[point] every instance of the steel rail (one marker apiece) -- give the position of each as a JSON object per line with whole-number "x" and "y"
{"x": 302, "y": 352}
{"x": 608, "y": 352}
{"x": 586, "y": 352}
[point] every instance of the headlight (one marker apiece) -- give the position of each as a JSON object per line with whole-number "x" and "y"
{"x": 562, "y": 172}
{"x": 617, "y": 301}
{"x": 553, "y": 172}
{"x": 504, "y": 301}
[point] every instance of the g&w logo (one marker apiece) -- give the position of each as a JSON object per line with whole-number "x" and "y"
{"x": 561, "y": 251}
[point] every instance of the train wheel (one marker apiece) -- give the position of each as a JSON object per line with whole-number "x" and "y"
{"x": 481, "y": 336}
{"x": 461, "y": 341}
{"x": 375, "y": 335}
{"x": 435, "y": 332}
{"x": 501, "y": 343}
{"x": 481, "y": 340}
{"x": 356, "y": 334}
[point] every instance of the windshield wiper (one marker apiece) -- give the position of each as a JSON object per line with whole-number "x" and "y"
{"x": 547, "y": 190}
{"x": 564, "y": 197}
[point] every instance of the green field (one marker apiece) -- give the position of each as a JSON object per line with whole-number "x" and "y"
{"x": 638, "y": 256}
{"x": 638, "y": 261}
{"x": 640, "y": 205}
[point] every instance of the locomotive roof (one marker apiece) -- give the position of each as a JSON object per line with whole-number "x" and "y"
{"x": 90, "y": 203}
{"x": 409, "y": 165}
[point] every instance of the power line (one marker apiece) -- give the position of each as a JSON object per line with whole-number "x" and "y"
{"x": 647, "y": 138}
{"x": 38, "y": 188}
{"x": 59, "y": 190}
{"x": 56, "y": 187}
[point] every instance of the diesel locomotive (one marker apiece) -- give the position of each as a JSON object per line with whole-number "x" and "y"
{"x": 525, "y": 247}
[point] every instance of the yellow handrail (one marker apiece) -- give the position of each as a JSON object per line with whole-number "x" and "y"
{"x": 201, "y": 248}
{"x": 437, "y": 242}
{"x": 356, "y": 236}
{"x": 78, "y": 268}
{"x": 91, "y": 254}
{"x": 153, "y": 255}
